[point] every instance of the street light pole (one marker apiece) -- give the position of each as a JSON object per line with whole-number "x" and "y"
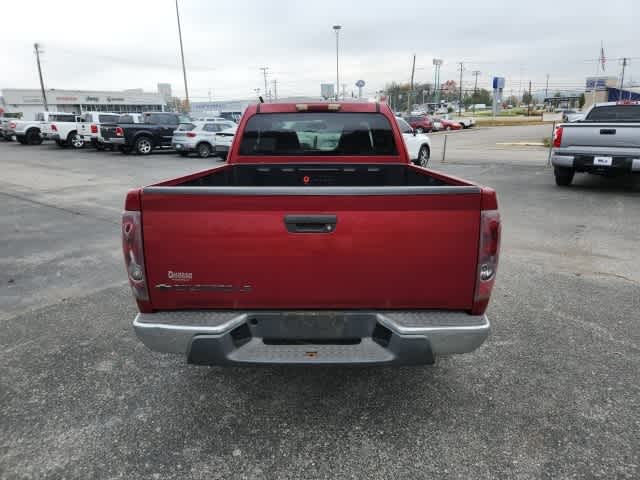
{"x": 184, "y": 70}
{"x": 337, "y": 29}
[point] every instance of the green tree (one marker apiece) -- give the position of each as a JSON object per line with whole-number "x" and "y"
{"x": 582, "y": 100}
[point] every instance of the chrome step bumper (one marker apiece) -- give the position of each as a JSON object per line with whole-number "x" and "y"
{"x": 311, "y": 337}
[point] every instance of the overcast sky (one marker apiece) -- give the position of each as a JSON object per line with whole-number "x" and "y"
{"x": 116, "y": 44}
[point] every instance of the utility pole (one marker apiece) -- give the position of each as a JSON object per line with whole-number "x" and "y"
{"x": 344, "y": 90}
{"x": 624, "y": 65}
{"x": 37, "y": 47}
{"x": 275, "y": 88}
{"x": 184, "y": 70}
{"x": 337, "y": 28}
{"x": 413, "y": 71}
{"x": 437, "y": 62}
{"x": 460, "y": 96}
{"x": 264, "y": 73}
{"x": 529, "y": 100}
{"x": 475, "y": 89}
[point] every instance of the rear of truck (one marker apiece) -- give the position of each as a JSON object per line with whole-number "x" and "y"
{"x": 317, "y": 243}
{"x": 606, "y": 142}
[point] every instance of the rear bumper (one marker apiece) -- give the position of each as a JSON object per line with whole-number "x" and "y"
{"x": 115, "y": 140}
{"x": 183, "y": 146}
{"x": 584, "y": 163}
{"x": 304, "y": 337}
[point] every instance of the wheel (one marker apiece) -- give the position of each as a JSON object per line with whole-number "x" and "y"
{"x": 33, "y": 137}
{"x": 204, "y": 150}
{"x": 61, "y": 143}
{"x": 564, "y": 176}
{"x": 124, "y": 149}
{"x": 419, "y": 130}
{"x": 143, "y": 146}
{"x": 75, "y": 140}
{"x": 183, "y": 154}
{"x": 423, "y": 156}
{"x": 21, "y": 140}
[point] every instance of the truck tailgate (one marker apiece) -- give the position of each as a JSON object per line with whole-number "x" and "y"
{"x": 600, "y": 135}
{"x": 386, "y": 251}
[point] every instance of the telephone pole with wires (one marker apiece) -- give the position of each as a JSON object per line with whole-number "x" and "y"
{"x": 475, "y": 89}
{"x": 625, "y": 61}
{"x": 37, "y": 50}
{"x": 264, "y": 73}
{"x": 184, "y": 70}
{"x": 275, "y": 88}
{"x": 460, "y": 95}
{"x": 413, "y": 71}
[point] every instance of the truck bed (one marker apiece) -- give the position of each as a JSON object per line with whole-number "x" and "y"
{"x": 287, "y": 236}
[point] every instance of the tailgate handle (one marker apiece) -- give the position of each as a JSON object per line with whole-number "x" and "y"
{"x": 607, "y": 131}
{"x": 310, "y": 223}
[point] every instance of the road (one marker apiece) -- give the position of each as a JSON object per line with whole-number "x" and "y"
{"x": 554, "y": 392}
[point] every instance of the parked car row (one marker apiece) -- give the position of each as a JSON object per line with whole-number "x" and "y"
{"x": 427, "y": 123}
{"x": 139, "y": 133}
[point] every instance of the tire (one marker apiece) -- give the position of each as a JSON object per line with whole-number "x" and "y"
{"x": 33, "y": 137}
{"x": 21, "y": 140}
{"x": 204, "y": 150}
{"x": 61, "y": 143}
{"x": 74, "y": 140}
{"x": 423, "y": 156}
{"x": 419, "y": 130}
{"x": 143, "y": 146}
{"x": 564, "y": 176}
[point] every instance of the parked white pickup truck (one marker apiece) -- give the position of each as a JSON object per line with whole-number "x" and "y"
{"x": 62, "y": 127}
{"x": 606, "y": 142}
{"x": 28, "y": 132}
{"x": 88, "y": 127}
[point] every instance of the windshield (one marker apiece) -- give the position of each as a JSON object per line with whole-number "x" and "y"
{"x": 318, "y": 133}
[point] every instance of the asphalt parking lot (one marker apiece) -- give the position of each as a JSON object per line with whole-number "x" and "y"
{"x": 554, "y": 392}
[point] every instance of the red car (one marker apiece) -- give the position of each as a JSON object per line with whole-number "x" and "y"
{"x": 448, "y": 124}
{"x": 420, "y": 123}
{"x": 317, "y": 243}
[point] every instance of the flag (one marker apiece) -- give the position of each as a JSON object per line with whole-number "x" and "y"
{"x": 603, "y": 59}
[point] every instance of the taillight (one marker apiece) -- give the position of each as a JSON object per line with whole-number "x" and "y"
{"x": 94, "y": 128}
{"x": 488, "y": 253}
{"x": 133, "y": 253}
{"x": 191, "y": 134}
{"x": 12, "y": 125}
{"x": 119, "y": 132}
{"x": 54, "y": 128}
{"x": 557, "y": 137}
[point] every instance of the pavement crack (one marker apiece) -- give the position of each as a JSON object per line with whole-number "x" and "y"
{"x": 57, "y": 207}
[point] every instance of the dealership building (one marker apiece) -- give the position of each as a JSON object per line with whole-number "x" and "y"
{"x": 29, "y": 101}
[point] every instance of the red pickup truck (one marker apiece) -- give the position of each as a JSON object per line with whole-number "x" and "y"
{"x": 318, "y": 242}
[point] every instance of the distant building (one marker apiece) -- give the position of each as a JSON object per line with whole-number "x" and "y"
{"x": 164, "y": 89}
{"x": 29, "y": 101}
{"x": 606, "y": 89}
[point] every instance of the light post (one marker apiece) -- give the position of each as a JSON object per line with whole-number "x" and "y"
{"x": 337, "y": 29}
